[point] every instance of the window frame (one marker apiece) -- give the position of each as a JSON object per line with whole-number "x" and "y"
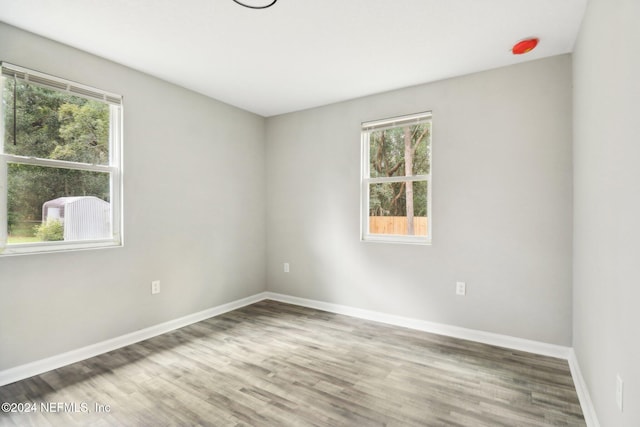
{"x": 113, "y": 168}
{"x": 366, "y": 180}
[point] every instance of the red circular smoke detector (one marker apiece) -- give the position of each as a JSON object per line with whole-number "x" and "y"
{"x": 524, "y": 46}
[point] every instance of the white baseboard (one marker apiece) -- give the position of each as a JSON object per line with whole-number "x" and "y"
{"x": 506, "y": 341}
{"x": 588, "y": 409}
{"x": 40, "y": 366}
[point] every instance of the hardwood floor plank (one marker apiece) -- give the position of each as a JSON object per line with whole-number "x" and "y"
{"x": 276, "y": 364}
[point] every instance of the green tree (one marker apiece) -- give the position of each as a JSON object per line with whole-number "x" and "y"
{"x": 401, "y": 151}
{"x": 84, "y": 133}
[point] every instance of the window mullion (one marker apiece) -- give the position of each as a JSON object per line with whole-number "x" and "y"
{"x": 384, "y": 179}
{"x": 61, "y": 164}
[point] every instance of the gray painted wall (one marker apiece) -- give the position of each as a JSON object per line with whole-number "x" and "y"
{"x": 502, "y": 210}
{"x": 194, "y": 216}
{"x": 606, "y": 320}
{"x": 502, "y": 205}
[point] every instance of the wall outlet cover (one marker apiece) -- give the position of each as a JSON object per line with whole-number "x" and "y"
{"x": 155, "y": 287}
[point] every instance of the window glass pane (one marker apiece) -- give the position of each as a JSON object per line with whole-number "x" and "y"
{"x": 52, "y": 204}
{"x": 398, "y": 208}
{"x": 48, "y": 124}
{"x": 401, "y": 151}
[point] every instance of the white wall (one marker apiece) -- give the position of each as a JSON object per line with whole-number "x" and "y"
{"x": 606, "y": 320}
{"x": 194, "y": 216}
{"x": 502, "y": 205}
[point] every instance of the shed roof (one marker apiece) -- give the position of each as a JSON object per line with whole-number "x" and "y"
{"x": 61, "y": 201}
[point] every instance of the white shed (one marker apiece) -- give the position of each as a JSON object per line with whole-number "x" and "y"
{"x": 84, "y": 218}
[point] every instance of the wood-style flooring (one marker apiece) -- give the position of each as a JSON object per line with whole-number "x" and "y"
{"x": 275, "y": 364}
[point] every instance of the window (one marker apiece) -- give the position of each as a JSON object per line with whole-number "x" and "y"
{"x": 60, "y": 167}
{"x": 396, "y": 179}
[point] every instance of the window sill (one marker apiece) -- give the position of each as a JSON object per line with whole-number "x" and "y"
{"x": 403, "y": 240}
{"x": 57, "y": 247}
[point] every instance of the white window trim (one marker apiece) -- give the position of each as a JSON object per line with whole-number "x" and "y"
{"x": 114, "y": 168}
{"x": 366, "y": 180}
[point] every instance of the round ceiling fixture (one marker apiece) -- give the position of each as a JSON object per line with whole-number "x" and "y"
{"x": 524, "y": 46}
{"x": 256, "y": 4}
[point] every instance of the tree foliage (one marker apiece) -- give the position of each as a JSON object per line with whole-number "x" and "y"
{"x": 52, "y": 125}
{"x": 391, "y": 151}
{"x": 84, "y": 130}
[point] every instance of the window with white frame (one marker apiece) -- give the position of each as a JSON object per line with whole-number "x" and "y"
{"x": 60, "y": 164}
{"x": 396, "y": 179}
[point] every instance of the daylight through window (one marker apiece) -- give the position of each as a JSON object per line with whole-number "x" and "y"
{"x": 60, "y": 169}
{"x": 396, "y": 179}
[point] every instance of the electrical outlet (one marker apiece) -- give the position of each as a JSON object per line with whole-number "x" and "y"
{"x": 619, "y": 391}
{"x": 286, "y": 267}
{"x": 461, "y": 288}
{"x": 155, "y": 287}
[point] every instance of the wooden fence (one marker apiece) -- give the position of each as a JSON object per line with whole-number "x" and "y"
{"x": 397, "y": 225}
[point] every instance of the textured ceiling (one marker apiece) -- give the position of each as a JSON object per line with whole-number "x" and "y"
{"x": 302, "y": 53}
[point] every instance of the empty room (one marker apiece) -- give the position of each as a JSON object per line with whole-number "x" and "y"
{"x": 320, "y": 213}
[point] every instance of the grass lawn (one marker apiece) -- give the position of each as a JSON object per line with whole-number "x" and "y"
{"x": 22, "y": 239}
